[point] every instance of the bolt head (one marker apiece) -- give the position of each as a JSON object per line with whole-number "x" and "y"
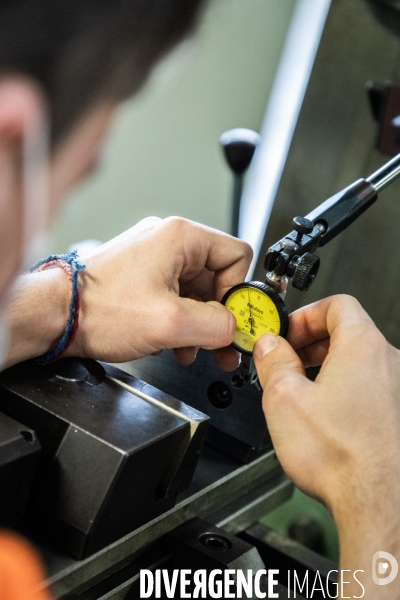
{"x": 302, "y": 225}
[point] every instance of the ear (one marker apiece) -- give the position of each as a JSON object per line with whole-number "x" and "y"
{"x": 22, "y": 107}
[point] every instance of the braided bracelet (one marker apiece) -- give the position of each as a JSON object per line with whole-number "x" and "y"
{"x": 70, "y": 264}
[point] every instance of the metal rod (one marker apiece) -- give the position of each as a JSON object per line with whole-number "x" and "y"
{"x": 386, "y": 174}
{"x": 237, "y": 196}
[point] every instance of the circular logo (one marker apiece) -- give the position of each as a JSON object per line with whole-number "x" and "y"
{"x": 384, "y": 568}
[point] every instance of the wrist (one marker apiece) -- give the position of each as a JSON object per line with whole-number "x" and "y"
{"x": 70, "y": 264}
{"x": 371, "y": 505}
{"x": 368, "y": 523}
{"x": 37, "y": 314}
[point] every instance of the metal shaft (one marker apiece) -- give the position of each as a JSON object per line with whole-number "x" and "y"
{"x": 386, "y": 174}
{"x": 237, "y": 196}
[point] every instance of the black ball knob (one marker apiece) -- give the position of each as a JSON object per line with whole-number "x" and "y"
{"x": 239, "y": 146}
{"x": 302, "y": 225}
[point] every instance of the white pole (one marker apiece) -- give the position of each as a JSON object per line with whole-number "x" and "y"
{"x": 280, "y": 119}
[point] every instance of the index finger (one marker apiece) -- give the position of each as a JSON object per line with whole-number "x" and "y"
{"x": 327, "y": 318}
{"x": 230, "y": 259}
{"x": 226, "y": 256}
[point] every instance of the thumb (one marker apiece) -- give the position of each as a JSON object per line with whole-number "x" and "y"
{"x": 276, "y": 362}
{"x": 208, "y": 325}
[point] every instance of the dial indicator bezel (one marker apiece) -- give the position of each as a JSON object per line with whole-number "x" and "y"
{"x": 274, "y": 297}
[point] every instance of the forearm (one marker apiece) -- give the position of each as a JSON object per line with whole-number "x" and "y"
{"x": 362, "y": 536}
{"x": 37, "y": 314}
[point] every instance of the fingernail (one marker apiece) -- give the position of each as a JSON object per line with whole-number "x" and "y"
{"x": 265, "y": 344}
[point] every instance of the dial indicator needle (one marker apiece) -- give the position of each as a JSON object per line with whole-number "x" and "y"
{"x": 251, "y": 318}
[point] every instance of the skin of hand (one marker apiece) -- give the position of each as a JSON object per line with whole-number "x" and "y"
{"x": 156, "y": 286}
{"x": 338, "y": 438}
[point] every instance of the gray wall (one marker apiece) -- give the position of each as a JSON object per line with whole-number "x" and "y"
{"x": 163, "y": 157}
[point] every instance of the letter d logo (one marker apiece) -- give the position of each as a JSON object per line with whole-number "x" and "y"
{"x": 382, "y": 567}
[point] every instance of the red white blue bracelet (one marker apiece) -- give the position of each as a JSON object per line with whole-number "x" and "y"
{"x": 70, "y": 264}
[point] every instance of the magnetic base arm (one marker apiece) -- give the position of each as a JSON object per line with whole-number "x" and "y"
{"x": 386, "y": 175}
{"x": 293, "y": 255}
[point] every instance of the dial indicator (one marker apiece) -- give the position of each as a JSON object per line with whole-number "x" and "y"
{"x": 258, "y": 309}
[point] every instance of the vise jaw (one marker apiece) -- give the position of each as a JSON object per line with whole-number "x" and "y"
{"x": 115, "y": 450}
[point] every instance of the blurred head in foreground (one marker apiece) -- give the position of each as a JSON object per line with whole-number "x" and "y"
{"x": 64, "y": 68}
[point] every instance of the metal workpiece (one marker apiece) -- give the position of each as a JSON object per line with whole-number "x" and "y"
{"x": 232, "y": 403}
{"x": 19, "y": 455}
{"x": 114, "y": 453}
{"x": 182, "y": 469}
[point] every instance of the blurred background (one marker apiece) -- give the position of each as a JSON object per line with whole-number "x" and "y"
{"x": 163, "y": 157}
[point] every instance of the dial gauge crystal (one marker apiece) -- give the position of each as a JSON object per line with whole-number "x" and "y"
{"x": 258, "y": 309}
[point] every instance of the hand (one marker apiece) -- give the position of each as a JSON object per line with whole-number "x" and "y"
{"x": 338, "y": 438}
{"x": 157, "y": 286}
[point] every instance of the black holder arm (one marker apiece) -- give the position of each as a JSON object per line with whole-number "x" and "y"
{"x": 337, "y": 213}
{"x": 324, "y": 223}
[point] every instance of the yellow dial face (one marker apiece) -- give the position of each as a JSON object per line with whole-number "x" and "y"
{"x": 255, "y": 313}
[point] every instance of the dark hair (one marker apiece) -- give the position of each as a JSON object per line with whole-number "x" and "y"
{"x": 81, "y": 51}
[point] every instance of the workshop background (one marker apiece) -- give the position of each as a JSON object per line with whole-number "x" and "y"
{"x": 163, "y": 157}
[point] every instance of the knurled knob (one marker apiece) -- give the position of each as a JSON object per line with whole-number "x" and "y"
{"x": 306, "y": 270}
{"x": 302, "y": 225}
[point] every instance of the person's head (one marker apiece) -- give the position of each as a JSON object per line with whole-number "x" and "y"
{"x": 70, "y": 63}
